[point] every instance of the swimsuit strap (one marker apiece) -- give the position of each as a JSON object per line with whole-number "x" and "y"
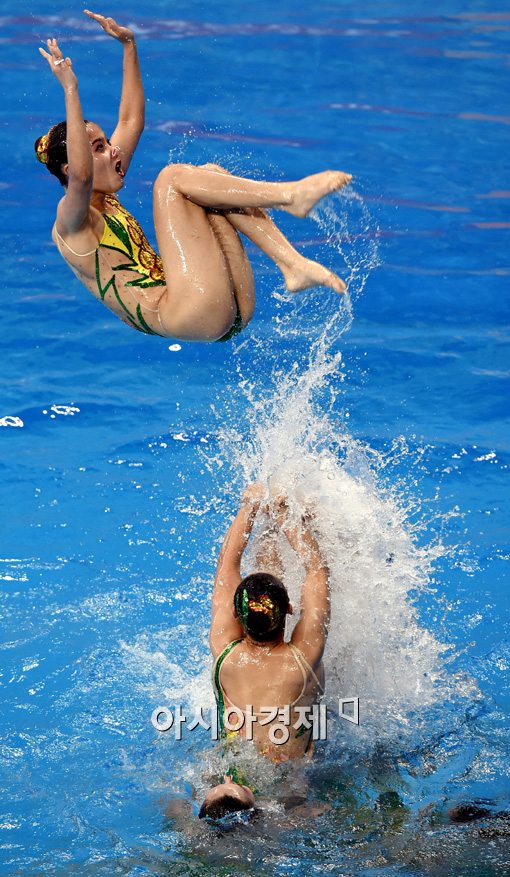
{"x": 305, "y": 666}
{"x": 218, "y": 690}
{"x": 300, "y": 659}
{"x": 122, "y": 234}
{"x": 304, "y": 675}
{"x": 61, "y": 239}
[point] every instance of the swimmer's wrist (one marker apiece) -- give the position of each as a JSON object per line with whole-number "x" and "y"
{"x": 251, "y": 507}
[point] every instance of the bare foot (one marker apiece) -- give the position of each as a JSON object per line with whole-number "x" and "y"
{"x": 306, "y": 192}
{"x": 306, "y": 273}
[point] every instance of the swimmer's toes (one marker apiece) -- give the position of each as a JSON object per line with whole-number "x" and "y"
{"x": 332, "y": 281}
{"x": 342, "y": 180}
{"x": 306, "y": 193}
{"x": 337, "y": 284}
{"x": 309, "y": 274}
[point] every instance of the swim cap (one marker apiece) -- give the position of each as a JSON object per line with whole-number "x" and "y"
{"x": 261, "y": 602}
{"x": 51, "y": 150}
{"x": 41, "y": 147}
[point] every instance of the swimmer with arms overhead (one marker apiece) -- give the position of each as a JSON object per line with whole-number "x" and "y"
{"x": 254, "y": 667}
{"x": 200, "y": 287}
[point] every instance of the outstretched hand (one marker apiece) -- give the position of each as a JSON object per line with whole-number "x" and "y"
{"x": 110, "y": 26}
{"x": 61, "y": 67}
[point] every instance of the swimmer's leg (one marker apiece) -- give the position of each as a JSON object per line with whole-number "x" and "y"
{"x": 199, "y": 303}
{"x": 222, "y": 191}
{"x": 238, "y": 265}
{"x": 298, "y": 272}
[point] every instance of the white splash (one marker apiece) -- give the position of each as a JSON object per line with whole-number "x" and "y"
{"x": 370, "y": 526}
{"x": 11, "y": 420}
{"x": 377, "y": 648}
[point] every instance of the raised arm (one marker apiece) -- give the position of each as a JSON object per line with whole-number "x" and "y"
{"x": 311, "y": 631}
{"x": 73, "y": 210}
{"x": 132, "y": 101}
{"x": 225, "y": 627}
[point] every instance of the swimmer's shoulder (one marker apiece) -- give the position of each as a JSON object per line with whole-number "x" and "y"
{"x": 78, "y": 247}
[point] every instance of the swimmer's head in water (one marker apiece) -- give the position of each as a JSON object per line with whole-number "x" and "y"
{"x": 228, "y": 804}
{"x": 261, "y": 603}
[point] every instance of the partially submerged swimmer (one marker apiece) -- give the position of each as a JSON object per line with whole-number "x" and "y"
{"x": 254, "y": 667}
{"x": 229, "y": 798}
{"x": 200, "y": 287}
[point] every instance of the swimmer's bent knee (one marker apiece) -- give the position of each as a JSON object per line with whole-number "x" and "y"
{"x": 210, "y": 166}
{"x": 171, "y": 176}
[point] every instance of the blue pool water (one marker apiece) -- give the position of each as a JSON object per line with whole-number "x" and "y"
{"x": 122, "y": 460}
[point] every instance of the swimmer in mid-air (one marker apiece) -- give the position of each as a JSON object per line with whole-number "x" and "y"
{"x": 200, "y": 287}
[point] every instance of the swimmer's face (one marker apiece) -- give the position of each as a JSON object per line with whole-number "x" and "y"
{"x": 108, "y": 172}
{"x": 229, "y": 787}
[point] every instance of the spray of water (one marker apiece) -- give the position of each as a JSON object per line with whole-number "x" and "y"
{"x": 370, "y": 527}
{"x": 377, "y": 649}
{"x": 294, "y": 438}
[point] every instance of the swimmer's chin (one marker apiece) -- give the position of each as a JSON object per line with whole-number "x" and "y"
{"x": 112, "y": 190}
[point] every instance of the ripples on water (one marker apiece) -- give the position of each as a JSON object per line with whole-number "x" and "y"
{"x": 387, "y": 779}
{"x": 424, "y": 720}
{"x": 109, "y": 543}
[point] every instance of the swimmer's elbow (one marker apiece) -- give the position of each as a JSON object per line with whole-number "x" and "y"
{"x": 81, "y": 180}
{"x": 81, "y": 176}
{"x": 131, "y": 126}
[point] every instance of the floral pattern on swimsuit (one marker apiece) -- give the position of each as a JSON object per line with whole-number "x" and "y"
{"x": 123, "y": 234}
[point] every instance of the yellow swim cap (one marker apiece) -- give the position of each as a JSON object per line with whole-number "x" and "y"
{"x": 41, "y": 148}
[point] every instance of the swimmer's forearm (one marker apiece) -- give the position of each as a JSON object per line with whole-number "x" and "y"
{"x": 132, "y": 100}
{"x": 228, "y": 571}
{"x": 238, "y": 535}
{"x": 79, "y": 154}
{"x": 311, "y": 553}
{"x": 239, "y": 532}
{"x": 315, "y": 600}
{"x": 131, "y": 110}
